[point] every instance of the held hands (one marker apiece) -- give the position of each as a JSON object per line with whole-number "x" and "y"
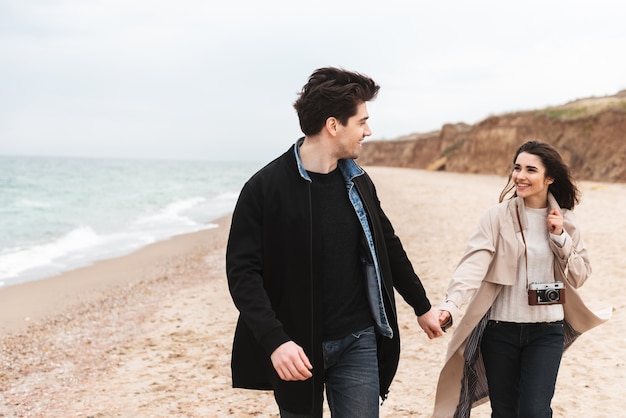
{"x": 430, "y": 324}
{"x": 444, "y": 318}
{"x": 555, "y": 222}
{"x": 291, "y": 363}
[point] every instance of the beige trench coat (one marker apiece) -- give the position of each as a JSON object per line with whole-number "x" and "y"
{"x": 490, "y": 262}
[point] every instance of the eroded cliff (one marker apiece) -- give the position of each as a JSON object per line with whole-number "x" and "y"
{"x": 589, "y": 133}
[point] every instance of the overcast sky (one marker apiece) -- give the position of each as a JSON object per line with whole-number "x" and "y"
{"x": 217, "y": 79}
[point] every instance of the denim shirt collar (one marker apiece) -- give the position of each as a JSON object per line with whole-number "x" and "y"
{"x": 349, "y": 169}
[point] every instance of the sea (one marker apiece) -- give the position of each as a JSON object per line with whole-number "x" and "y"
{"x": 58, "y": 214}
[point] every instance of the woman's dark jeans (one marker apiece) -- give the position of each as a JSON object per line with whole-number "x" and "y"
{"x": 522, "y": 362}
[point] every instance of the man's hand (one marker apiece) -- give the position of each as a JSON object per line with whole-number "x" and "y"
{"x": 291, "y": 363}
{"x": 430, "y": 324}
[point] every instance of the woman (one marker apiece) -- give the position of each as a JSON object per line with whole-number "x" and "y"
{"x": 520, "y": 269}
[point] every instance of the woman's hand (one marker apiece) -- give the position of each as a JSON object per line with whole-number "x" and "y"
{"x": 555, "y": 222}
{"x": 445, "y": 320}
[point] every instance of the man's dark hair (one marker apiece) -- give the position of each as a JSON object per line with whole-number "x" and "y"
{"x": 332, "y": 92}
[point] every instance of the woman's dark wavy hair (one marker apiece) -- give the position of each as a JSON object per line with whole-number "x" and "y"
{"x": 563, "y": 188}
{"x": 332, "y": 92}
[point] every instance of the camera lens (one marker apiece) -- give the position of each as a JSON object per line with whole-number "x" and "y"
{"x": 552, "y": 295}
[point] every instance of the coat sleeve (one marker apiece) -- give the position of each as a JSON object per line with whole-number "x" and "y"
{"x": 473, "y": 266}
{"x": 244, "y": 269}
{"x": 572, "y": 257}
{"x": 405, "y": 280}
{"x": 403, "y": 276}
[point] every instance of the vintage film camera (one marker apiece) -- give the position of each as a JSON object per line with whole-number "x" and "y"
{"x": 546, "y": 293}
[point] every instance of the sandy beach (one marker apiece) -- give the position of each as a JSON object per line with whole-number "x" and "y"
{"x": 149, "y": 334}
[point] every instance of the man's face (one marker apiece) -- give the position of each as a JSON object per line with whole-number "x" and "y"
{"x": 350, "y": 136}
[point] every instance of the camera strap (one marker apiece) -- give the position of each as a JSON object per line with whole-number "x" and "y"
{"x": 521, "y": 230}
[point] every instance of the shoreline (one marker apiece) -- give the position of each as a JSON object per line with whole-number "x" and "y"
{"x": 53, "y": 295}
{"x": 150, "y": 333}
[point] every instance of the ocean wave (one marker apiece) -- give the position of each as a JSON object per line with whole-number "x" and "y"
{"x": 17, "y": 260}
{"x": 63, "y": 213}
{"x": 85, "y": 245}
{"x": 173, "y": 213}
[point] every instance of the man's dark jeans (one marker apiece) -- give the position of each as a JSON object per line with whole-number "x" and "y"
{"x": 351, "y": 377}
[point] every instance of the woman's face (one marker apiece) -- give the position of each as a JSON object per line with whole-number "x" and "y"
{"x": 531, "y": 183}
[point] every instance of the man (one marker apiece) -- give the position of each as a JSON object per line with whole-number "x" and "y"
{"x": 312, "y": 261}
